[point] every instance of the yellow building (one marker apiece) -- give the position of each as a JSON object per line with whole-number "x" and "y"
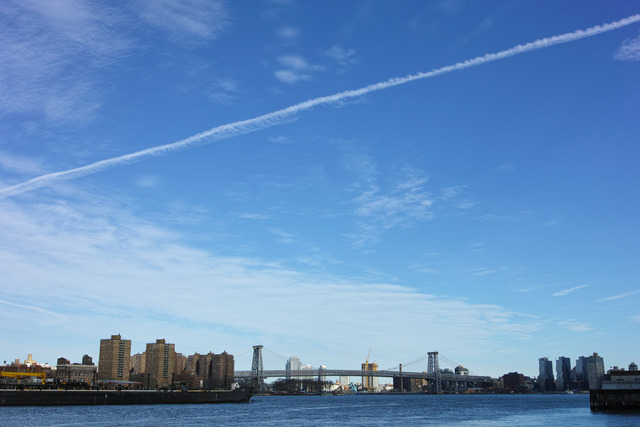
{"x": 369, "y": 383}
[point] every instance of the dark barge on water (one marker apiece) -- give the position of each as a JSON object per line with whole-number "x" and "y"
{"x": 620, "y": 392}
{"x": 44, "y": 397}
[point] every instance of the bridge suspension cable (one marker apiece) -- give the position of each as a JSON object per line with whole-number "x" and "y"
{"x": 454, "y": 364}
{"x": 272, "y": 353}
{"x": 413, "y": 362}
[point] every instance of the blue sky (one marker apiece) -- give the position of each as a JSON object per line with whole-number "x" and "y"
{"x": 487, "y": 212}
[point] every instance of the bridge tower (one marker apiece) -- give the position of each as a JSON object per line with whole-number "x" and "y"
{"x": 433, "y": 367}
{"x": 257, "y": 368}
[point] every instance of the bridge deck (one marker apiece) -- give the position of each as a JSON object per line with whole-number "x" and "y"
{"x": 445, "y": 376}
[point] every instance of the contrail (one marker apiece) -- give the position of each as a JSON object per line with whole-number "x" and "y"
{"x": 274, "y": 118}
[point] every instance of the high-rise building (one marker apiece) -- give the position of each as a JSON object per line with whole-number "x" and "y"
{"x": 181, "y": 363}
{"x": 160, "y": 362}
{"x": 595, "y": 371}
{"x": 582, "y": 367}
{"x": 293, "y": 364}
{"x": 114, "y": 359}
{"x": 633, "y": 366}
{"x": 545, "y": 377}
{"x": 221, "y": 371}
{"x": 563, "y": 371}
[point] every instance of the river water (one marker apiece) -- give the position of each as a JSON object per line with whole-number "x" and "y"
{"x": 349, "y": 410}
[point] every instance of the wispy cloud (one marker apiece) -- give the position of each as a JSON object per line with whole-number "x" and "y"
{"x": 619, "y": 296}
{"x": 629, "y": 50}
{"x": 344, "y": 57}
{"x": 277, "y": 117}
{"x": 147, "y": 181}
{"x": 61, "y": 244}
{"x": 253, "y": 216}
{"x": 295, "y": 68}
{"x": 568, "y": 291}
{"x": 575, "y": 326}
{"x": 283, "y": 236}
{"x": 187, "y": 21}
{"x": 382, "y": 206}
{"x": 224, "y": 91}
{"x": 19, "y": 164}
{"x": 49, "y": 54}
{"x": 288, "y": 34}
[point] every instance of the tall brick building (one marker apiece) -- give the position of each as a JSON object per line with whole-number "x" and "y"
{"x": 221, "y": 372}
{"x": 115, "y": 359}
{"x": 160, "y": 363}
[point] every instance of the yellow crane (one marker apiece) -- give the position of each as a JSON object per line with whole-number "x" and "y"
{"x": 22, "y": 375}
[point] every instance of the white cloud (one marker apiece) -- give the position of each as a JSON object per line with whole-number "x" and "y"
{"x": 187, "y": 20}
{"x": 224, "y": 91}
{"x": 344, "y": 57}
{"x": 48, "y": 52}
{"x": 147, "y": 181}
{"x": 620, "y": 296}
{"x": 283, "y": 236}
{"x": 19, "y": 164}
{"x": 629, "y": 50}
{"x": 288, "y": 33}
{"x": 568, "y": 291}
{"x": 253, "y": 216}
{"x": 94, "y": 264}
{"x": 290, "y": 76}
{"x": 295, "y": 69}
{"x": 575, "y": 326}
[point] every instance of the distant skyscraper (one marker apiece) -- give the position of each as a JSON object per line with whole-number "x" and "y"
{"x": 293, "y": 364}
{"x": 160, "y": 362}
{"x": 595, "y": 371}
{"x": 563, "y": 370}
{"x": 633, "y": 366}
{"x": 545, "y": 378}
{"x": 114, "y": 360}
{"x": 582, "y": 367}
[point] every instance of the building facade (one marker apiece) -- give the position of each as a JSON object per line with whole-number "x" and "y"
{"x": 595, "y": 372}
{"x": 293, "y": 364}
{"x": 563, "y": 372}
{"x": 68, "y": 373}
{"x": 160, "y": 363}
{"x": 115, "y": 359}
{"x": 513, "y": 380}
{"x": 545, "y": 377}
{"x": 138, "y": 363}
{"x": 221, "y": 371}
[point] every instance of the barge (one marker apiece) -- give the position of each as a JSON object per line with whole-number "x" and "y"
{"x": 43, "y": 397}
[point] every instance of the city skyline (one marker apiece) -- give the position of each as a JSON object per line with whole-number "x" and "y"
{"x": 322, "y": 178}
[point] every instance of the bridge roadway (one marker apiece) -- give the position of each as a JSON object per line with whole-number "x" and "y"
{"x": 444, "y": 376}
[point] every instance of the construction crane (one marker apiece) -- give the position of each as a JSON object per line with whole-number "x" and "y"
{"x": 22, "y": 375}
